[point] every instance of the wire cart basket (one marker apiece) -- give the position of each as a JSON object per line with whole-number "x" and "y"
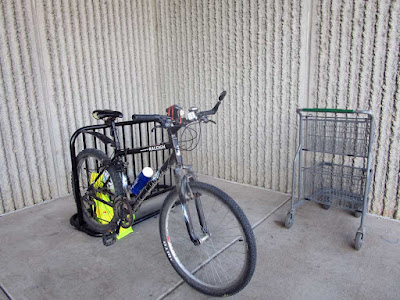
{"x": 333, "y": 162}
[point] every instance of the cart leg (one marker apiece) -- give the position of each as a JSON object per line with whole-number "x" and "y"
{"x": 290, "y": 215}
{"x": 325, "y": 206}
{"x": 289, "y": 219}
{"x": 358, "y": 240}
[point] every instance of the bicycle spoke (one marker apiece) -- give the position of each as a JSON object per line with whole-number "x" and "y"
{"x": 220, "y": 264}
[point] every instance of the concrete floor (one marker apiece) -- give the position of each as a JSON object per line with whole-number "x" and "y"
{"x": 43, "y": 257}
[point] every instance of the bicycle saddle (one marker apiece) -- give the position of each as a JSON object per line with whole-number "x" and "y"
{"x": 106, "y": 113}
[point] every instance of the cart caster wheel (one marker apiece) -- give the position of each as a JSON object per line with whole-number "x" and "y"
{"x": 358, "y": 241}
{"x": 357, "y": 214}
{"x": 325, "y": 206}
{"x": 289, "y": 220}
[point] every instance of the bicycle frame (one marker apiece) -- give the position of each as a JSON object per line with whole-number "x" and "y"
{"x": 182, "y": 173}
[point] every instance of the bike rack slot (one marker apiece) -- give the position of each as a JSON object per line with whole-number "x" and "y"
{"x": 132, "y": 135}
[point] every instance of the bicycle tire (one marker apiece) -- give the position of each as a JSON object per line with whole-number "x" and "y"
{"x": 87, "y": 210}
{"x": 247, "y": 242}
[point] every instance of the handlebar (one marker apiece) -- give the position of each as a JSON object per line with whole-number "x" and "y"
{"x": 138, "y": 118}
{"x": 149, "y": 118}
{"x": 214, "y": 110}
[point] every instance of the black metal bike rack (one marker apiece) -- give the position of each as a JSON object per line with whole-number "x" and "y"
{"x": 132, "y": 135}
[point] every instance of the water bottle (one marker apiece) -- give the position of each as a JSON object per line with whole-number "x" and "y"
{"x": 141, "y": 180}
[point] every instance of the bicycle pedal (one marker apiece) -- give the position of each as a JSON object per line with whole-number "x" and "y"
{"x": 109, "y": 238}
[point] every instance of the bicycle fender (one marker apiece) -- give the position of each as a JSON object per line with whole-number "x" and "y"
{"x": 105, "y": 139}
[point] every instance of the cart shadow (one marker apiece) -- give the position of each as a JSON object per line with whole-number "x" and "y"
{"x": 280, "y": 223}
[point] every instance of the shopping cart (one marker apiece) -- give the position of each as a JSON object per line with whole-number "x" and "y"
{"x": 333, "y": 161}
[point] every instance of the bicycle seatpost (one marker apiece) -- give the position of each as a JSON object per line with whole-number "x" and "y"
{"x": 114, "y": 133}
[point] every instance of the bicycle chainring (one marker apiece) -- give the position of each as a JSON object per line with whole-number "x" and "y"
{"x": 124, "y": 212}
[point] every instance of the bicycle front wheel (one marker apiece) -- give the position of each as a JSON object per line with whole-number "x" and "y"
{"x": 224, "y": 262}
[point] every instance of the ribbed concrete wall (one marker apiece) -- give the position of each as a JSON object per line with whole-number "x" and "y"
{"x": 28, "y": 172}
{"x": 62, "y": 59}
{"x": 355, "y": 62}
{"x": 253, "y": 50}
{"x": 59, "y": 61}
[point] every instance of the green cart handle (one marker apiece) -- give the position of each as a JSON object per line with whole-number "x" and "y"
{"x": 328, "y": 110}
{"x": 336, "y": 110}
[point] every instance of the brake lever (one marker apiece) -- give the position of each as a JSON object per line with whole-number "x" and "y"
{"x": 155, "y": 127}
{"x": 206, "y": 120}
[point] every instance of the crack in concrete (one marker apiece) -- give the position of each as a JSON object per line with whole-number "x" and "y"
{"x": 7, "y": 294}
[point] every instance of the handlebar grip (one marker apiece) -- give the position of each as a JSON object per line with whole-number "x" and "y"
{"x": 222, "y": 96}
{"x": 211, "y": 111}
{"x": 146, "y": 118}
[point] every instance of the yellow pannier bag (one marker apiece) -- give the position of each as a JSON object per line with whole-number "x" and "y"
{"x": 104, "y": 212}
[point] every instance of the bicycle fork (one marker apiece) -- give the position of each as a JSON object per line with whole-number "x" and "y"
{"x": 183, "y": 196}
{"x": 182, "y": 184}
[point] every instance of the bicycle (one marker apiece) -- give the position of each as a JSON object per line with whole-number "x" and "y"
{"x": 204, "y": 233}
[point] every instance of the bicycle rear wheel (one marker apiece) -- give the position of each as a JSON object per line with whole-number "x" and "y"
{"x": 224, "y": 262}
{"x": 98, "y": 216}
